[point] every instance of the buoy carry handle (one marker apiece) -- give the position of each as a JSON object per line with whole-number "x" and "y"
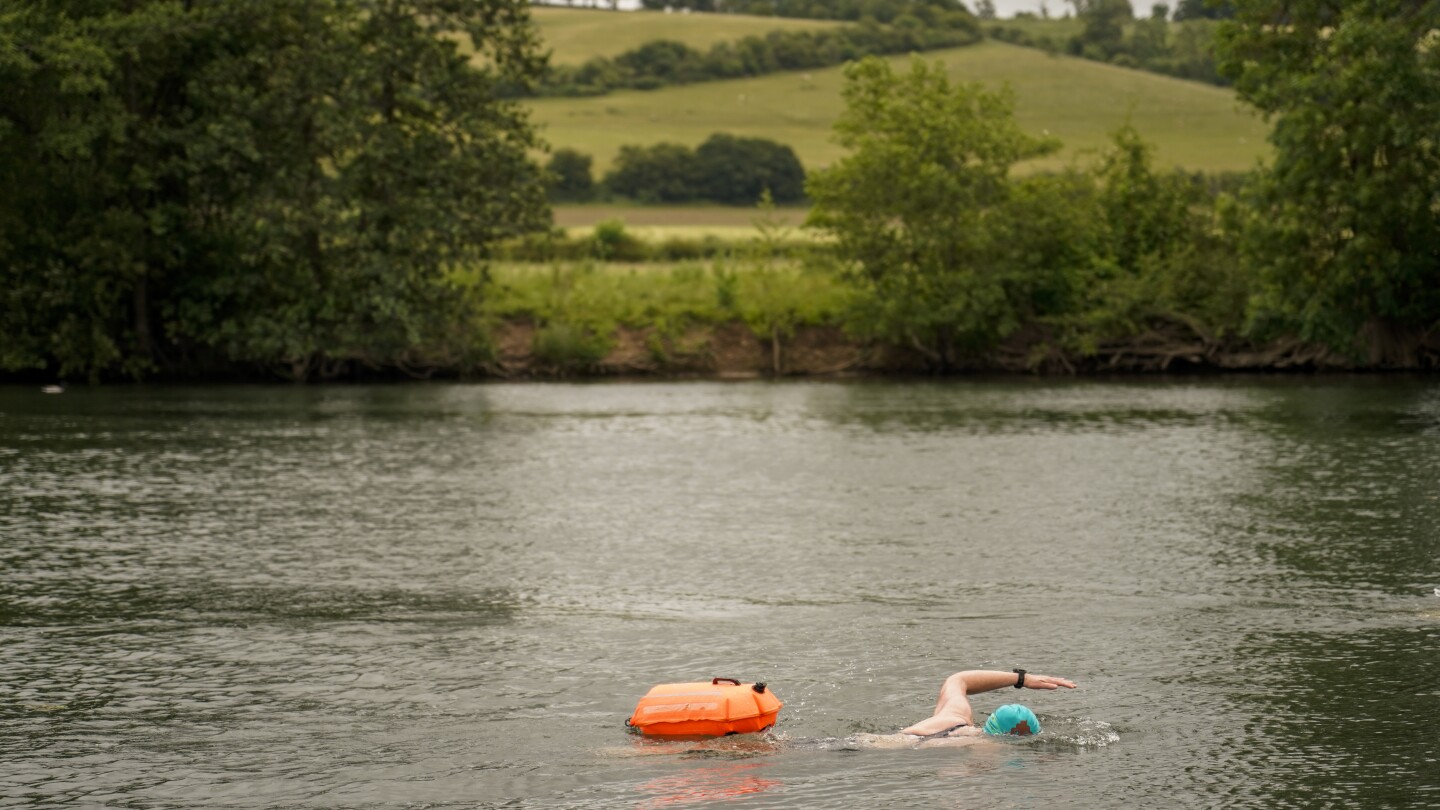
{"x": 715, "y": 681}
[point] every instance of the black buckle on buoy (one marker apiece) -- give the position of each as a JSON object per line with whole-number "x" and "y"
{"x": 759, "y": 688}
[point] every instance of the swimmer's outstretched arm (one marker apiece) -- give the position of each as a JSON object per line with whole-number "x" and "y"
{"x": 973, "y": 681}
{"x": 953, "y": 707}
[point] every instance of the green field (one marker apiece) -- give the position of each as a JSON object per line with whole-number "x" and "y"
{"x": 1195, "y": 126}
{"x": 575, "y": 35}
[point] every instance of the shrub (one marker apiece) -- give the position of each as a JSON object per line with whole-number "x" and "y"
{"x": 725, "y": 168}
{"x": 738, "y": 170}
{"x": 611, "y": 242}
{"x": 569, "y": 176}
{"x": 916, "y": 203}
{"x": 663, "y": 172}
{"x": 677, "y": 248}
{"x": 567, "y": 348}
{"x": 666, "y": 61}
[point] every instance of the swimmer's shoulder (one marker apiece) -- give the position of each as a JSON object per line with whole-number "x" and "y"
{"x": 902, "y": 740}
{"x": 965, "y": 735}
{"x": 952, "y": 742}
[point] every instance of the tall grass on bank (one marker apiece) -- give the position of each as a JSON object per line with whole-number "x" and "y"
{"x": 612, "y": 240}
{"x": 578, "y": 307}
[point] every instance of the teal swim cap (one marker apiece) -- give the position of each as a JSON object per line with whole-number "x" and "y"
{"x": 1012, "y": 718}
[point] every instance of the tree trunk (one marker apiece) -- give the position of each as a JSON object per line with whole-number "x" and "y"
{"x": 945, "y": 337}
{"x": 1391, "y": 345}
{"x": 141, "y": 301}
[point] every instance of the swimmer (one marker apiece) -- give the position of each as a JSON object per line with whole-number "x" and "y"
{"x": 952, "y": 722}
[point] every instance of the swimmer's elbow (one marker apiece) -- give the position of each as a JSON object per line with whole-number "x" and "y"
{"x": 966, "y": 681}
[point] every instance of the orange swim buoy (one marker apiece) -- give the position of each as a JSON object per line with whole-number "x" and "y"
{"x": 722, "y": 706}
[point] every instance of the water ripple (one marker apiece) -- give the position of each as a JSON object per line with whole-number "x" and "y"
{"x": 452, "y": 595}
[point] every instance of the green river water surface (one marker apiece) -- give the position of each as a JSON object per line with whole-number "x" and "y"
{"x": 453, "y": 595}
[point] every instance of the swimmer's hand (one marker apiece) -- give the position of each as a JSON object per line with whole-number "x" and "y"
{"x": 1033, "y": 681}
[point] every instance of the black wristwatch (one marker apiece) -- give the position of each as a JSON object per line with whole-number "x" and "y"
{"x": 1020, "y": 684}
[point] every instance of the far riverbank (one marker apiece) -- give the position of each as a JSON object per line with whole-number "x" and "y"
{"x": 734, "y": 351}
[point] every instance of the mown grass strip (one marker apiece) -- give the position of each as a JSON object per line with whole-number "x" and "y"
{"x": 679, "y": 217}
{"x": 729, "y": 234}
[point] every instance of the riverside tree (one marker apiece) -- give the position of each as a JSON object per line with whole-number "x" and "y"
{"x": 276, "y": 182}
{"x": 920, "y": 207}
{"x": 1345, "y": 225}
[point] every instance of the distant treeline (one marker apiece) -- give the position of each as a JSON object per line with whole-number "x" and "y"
{"x": 662, "y": 63}
{"x": 1184, "y": 47}
{"x": 724, "y": 169}
{"x": 889, "y": 10}
{"x": 930, "y": 12}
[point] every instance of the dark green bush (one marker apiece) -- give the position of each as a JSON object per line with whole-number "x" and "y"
{"x": 738, "y": 170}
{"x": 725, "y": 169}
{"x": 663, "y": 172}
{"x": 569, "y": 177}
{"x": 612, "y": 243}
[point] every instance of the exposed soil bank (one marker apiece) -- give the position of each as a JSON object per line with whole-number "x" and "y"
{"x": 732, "y": 350}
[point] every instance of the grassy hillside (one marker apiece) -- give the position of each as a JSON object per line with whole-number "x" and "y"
{"x": 1195, "y": 126}
{"x": 575, "y": 35}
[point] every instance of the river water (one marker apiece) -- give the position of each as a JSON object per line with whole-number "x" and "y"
{"x": 453, "y": 595}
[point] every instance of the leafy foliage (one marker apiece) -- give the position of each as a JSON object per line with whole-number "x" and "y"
{"x": 663, "y": 172}
{"x": 278, "y": 182}
{"x": 1103, "y": 33}
{"x": 916, "y": 203}
{"x": 1154, "y": 253}
{"x": 1204, "y": 10}
{"x": 950, "y": 255}
{"x": 613, "y": 243}
{"x": 739, "y": 171}
{"x": 570, "y": 177}
{"x": 1180, "y": 48}
{"x": 771, "y": 298}
{"x": 1345, "y": 226}
{"x": 725, "y": 168}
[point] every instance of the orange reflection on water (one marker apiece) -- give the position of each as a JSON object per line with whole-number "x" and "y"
{"x": 707, "y": 783}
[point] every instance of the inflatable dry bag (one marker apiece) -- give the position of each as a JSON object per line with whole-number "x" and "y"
{"x": 722, "y": 706}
